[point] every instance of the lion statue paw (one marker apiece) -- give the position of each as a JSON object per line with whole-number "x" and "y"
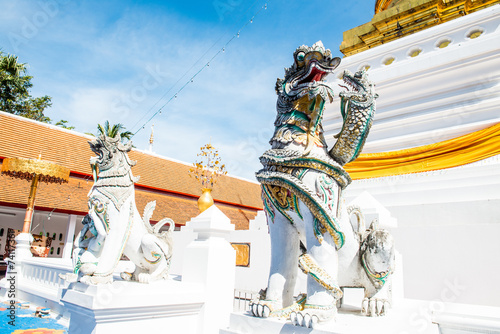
{"x": 69, "y": 277}
{"x": 375, "y": 307}
{"x": 126, "y": 276}
{"x": 95, "y": 280}
{"x": 144, "y": 278}
{"x": 263, "y": 308}
{"x": 88, "y": 268}
{"x": 304, "y": 319}
{"x": 311, "y": 315}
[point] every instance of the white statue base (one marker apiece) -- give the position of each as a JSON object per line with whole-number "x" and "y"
{"x": 200, "y": 303}
{"x": 131, "y": 307}
{"x": 348, "y": 321}
{"x": 409, "y": 317}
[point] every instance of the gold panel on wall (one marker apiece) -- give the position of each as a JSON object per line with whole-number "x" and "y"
{"x": 242, "y": 254}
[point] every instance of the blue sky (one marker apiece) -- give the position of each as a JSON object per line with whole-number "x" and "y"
{"x": 122, "y": 60}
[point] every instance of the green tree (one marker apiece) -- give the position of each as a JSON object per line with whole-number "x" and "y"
{"x": 112, "y": 131}
{"x": 15, "y": 97}
{"x": 64, "y": 124}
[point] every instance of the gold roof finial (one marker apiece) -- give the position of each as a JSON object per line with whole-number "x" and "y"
{"x": 151, "y": 138}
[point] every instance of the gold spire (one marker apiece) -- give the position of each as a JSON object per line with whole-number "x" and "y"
{"x": 151, "y": 138}
{"x": 394, "y": 19}
{"x": 381, "y": 5}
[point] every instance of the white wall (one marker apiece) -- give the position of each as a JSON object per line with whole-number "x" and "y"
{"x": 254, "y": 277}
{"x": 251, "y": 278}
{"x": 448, "y": 230}
{"x": 450, "y": 245}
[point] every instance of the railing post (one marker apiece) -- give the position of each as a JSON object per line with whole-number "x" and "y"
{"x": 70, "y": 233}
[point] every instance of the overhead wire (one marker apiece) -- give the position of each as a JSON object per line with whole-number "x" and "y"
{"x": 174, "y": 96}
{"x": 192, "y": 66}
{"x": 207, "y": 64}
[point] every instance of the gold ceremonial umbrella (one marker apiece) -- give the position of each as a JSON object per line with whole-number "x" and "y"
{"x": 34, "y": 170}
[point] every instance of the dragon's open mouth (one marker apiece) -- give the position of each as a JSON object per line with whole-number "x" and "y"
{"x": 314, "y": 73}
{"x": 308, "y": 72}
{"x": 96, "y": 147}
{"x": 351, "y": 84}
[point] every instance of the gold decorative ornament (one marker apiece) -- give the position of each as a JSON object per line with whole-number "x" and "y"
{"x": 207, "y": 170}
{"x": 242, "y": 254}
{"x": 389, "y": 61}
{"x": 444, "y": 44}
{"x": 475, "y": 34}
{"x": 34, "y": 170}
{"x": 205, "y": 201}
{"x": 415, "y": 53}
{"x": 27, "y": 169}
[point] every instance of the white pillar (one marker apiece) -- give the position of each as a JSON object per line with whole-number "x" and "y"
{"x": 210, "y": 260}
{"x": 70, "y": 233}
{"x": 23, "y": 246}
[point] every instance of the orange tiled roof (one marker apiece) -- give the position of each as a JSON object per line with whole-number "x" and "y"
{"x": 161, "y": 179}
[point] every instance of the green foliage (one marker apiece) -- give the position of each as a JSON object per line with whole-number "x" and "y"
{"x": 64, "y": 124}
{"x": 112, "y": 131}
{"x": 15, "y": 97}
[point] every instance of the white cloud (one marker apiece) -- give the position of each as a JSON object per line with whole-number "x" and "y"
{"x": 116, "y": 60}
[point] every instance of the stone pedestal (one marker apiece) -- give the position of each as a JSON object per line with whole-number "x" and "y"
{"x": 200, "y": 303}
{"x": 210, "y": 260}
{"x": 412, "y": 316}
{"x": 462, "y": 318}
{"x": 131, "y": 307}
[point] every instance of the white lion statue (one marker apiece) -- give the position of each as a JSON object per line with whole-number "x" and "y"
{"x": 113, "y": 227}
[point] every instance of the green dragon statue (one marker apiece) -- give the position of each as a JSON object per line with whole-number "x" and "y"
{"x": 302, "y": 184}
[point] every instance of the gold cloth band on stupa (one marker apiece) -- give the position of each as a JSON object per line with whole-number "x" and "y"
{"x": 27, "y": 169}
{"x": 455, "y": 152}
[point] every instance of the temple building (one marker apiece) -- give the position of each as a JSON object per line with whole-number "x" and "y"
{"x": 432, "y": 155}
{"x": 60, "y": 207}
{"x": 431, "y": 160}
